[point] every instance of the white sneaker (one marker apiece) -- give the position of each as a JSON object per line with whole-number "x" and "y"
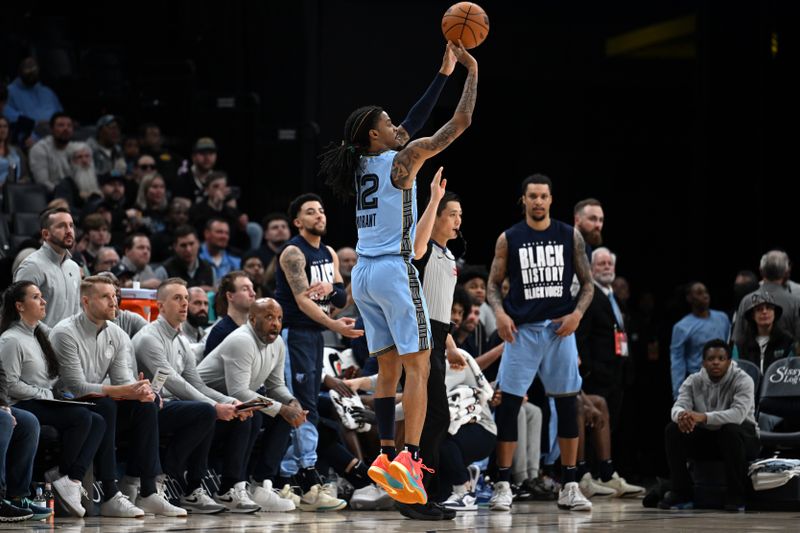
{"x": 288, "y": 494}
{"x": 331, "y": 490}
{"x": 69, "y": 492}
{"x": 501, "y": 497}
{"x": 592, "y": 487}
{"x": 158, "y": 504}
{"x": 465, "y": 501}
{"x": 201, "y": 503}
{"x": 621, "y": 488}
{"x": 316, "y": 499}
{"x": 129, "y": 486}
{"x": 236, "y": 500}
{"x": 572, "y": 499}
{"x": 119, "y": 506}
{"x": 268, "y": 498}
{"x": 371, "y": 498}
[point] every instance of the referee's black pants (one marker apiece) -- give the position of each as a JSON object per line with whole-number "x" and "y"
{"x": 437, "y": 419}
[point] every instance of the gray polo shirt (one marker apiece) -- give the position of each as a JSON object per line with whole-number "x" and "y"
{"x": 25, "y": 364}
{"x": 130, "y": 322}
{"x": 160, "y": 346}
{"x": 58, "y": 279}
{"x": 242, "y": 363}
{"x": 87, "y": 354}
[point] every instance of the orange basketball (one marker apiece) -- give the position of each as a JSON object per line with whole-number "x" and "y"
{"x": 465, "y": 21}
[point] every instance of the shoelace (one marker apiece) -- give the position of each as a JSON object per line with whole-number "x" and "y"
{"x": 83, "y": 491}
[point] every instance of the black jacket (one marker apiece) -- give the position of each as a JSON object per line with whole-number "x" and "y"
{"x": 600, "y": 367}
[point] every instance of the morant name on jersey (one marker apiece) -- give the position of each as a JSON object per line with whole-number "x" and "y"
{"x": 365, "y": 221}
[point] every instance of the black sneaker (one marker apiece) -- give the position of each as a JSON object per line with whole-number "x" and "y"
{"x": 521, "y": 492}
{"x": 39, "y": 512}
{"x": 447, "y": 514}
{"x": 675, "y": 501}
{"x": 543, "y": 490}
{"x": 429, "y": 511}
{"x": 11, "y": 513}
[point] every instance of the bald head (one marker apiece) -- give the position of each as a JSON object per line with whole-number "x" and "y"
{"x": 266, "y": 318}
{"x": 347, "y": 260}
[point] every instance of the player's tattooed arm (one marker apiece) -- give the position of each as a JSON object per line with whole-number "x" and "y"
{"x": 494, "y": 294}
{"x": 404, "y": 168}
{"x": 293, "y": 264}
{"x": 584, "y": 272}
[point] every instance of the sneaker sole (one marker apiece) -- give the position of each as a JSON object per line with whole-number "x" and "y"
{"x": 575, "y": 507}
{"x": 192, "y": 510}
{"x": 412, "y": 493}
{"x": 15, "y": 518}
{"x": 311, "y": 508}
{"x": 499, "y": 507}
{"x": 461, "y": 509}
{"x": 384, "y": 480}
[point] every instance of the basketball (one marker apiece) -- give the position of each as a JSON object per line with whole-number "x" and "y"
{"x": 465, "y": 21}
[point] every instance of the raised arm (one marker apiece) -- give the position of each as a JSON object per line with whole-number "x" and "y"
{"x": 425, "y": 223}
{"x": 494, "y": 292}
{"x": 419, "y": 113}
{"x": 409, "y": 160}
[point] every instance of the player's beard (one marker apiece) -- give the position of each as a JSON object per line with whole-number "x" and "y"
{"x": 594, "y": 238}
{"x": 318, "y": 232}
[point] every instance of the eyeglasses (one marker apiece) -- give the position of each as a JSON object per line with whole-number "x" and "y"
{"x": 147, "y": 167}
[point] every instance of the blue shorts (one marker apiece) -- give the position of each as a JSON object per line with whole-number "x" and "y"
{"x": 538, "y": 350}
{"x": 388, "y": 295}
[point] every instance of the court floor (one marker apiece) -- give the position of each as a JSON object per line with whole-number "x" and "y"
{"x": 615, "y": 515}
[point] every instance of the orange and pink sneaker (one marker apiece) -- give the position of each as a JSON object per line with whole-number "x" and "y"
{"x": 409, "y": 472}
{"x": 379, "y": 473}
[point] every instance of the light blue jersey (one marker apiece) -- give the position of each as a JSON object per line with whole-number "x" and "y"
{"x": 386, "y": 217}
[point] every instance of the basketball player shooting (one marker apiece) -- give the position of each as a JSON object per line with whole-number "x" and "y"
{"x": 372, "y": 164}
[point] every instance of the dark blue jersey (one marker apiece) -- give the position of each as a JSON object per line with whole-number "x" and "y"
{"x": 319, "y": 267}
{"x": 540, "y": 269}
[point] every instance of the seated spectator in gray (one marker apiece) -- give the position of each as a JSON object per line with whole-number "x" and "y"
{"x": 48, "y": 157}
{"x": 137, "y": 260}
{"x": 107, "y": 258}
{"x": 713, "y": 417}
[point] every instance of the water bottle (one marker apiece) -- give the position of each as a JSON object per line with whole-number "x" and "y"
{"x": 39, "y": 497}
{"x": 48, "y": 496}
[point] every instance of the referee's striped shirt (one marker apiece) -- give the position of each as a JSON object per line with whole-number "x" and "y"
{"x": 437, "y": 270}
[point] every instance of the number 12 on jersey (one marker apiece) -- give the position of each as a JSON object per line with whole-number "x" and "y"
{"x": 365, "y": 195}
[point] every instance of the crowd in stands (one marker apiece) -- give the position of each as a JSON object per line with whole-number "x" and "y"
{"x": 211, "y": 377}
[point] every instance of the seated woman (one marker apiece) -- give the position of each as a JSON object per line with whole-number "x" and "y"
{"x": 31, "y": 371}
{"x": 763, "y": 341}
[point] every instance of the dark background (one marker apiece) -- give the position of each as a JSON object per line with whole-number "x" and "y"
{"x": 688, "y": 141}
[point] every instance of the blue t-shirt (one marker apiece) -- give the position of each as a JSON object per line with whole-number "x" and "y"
{"x": 688, "y": 337}
{"x": 386, "y": 217}
{"x": 540, "y": 269}
{"x": 319, "y": 267}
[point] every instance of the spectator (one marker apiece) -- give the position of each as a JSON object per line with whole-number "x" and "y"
{"x": 151, "y": 200}
{"x": 177, "y": 216}
{"x": 470, "y": 335}
{"x": 473, "y": 279}
{"x": 774, "y": 269}
{"x": 763, "y": 340}
{"x": 232, "y": 302}
{"x": 30, "y": 103}
{"x": 48, "y": 157}
{"x": 347, "y": 260}
{"x": 81, "y": 186}
{"x": 185, "y": 263}
{"x": 691, "y": 333}
{"x": 218, "y": 203}
{"x": 51, "y": 267}
{"x": 152, "y": 144}
{"x": 193, "y": 328}
{"x": 137, "y": 260}
{"x": 106, "y": 151}
{"x": 107, "y": 258}
{"x": 276, "y": 233}
{"x": 712, "y": 417}
{"x": 144, "y": 165}
{"x": 744, "y": 283}
{"x": 111, "y": 205}
{"x": 13, "y": 164}
{"x": 215, "y": 248}
{"x": 96, "y": 229}
{"x": 131, "y": 152}
{"x": 251, "y": 263}
{"x": 191, "y": 182}
{"x": 601, "y": 338}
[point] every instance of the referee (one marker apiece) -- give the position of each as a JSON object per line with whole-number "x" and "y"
{"x": 437, "y": 272}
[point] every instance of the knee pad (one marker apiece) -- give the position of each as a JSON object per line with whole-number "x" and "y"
{"x": 506, "y": 417}
{"x": 566, "y": 408}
